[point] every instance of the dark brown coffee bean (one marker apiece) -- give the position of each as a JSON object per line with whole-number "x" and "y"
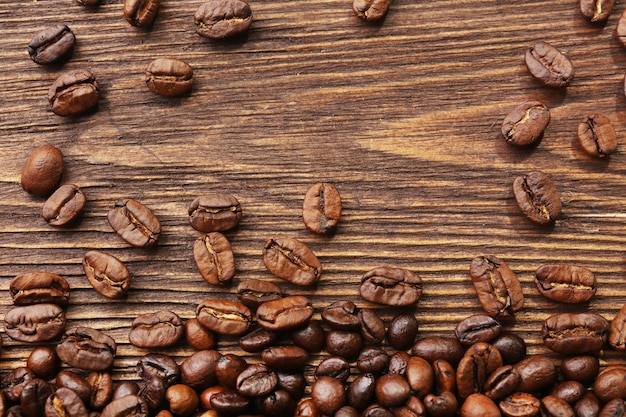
{"x": 276, "y": 403}
{"x": 614, "y": 408}
{"x": 479, "y": 405}
{"x": 101, "y": 385}
{"x": 588, "y": 406}
{"x": 333, "y": 366}
{"x": 78, "y": 384}
{"x": 442, "y": 405}
{"x": 420, "y": 375}
{"x": 582, "y": 368}
{"x": 197, "y": 336}
{"x": 372, "y": 326}
{"x": 64, "y": 205}
{"x": 214, "y": 212}
{"x": 370, "y": 10}
{"x": 124, "y": 388}
{"x": 311, "y": 337}
{"x": 43, "y": 362}
{"x": 376, "y": 410}
{"x": 536, "y": 372}
{"x": 228, "y": 368}
{"x": 161, "y": 329}
{"x": 257, "y": 340}
{"x": 610, "y": 383}
{"x": 13, "y": 382}
{"x": 445, "y": 376}
{"x": 42, "y": 171}
{"x": 596, "y": 10}
{"x": 566, "y": 283}
{"x": 328, "y": 394}
{"x": 287, "y": 313}
{"x": 511, "y": 346}
{"x": 398, "y": 363}
{"x": 141, "y": 13}
{"x": 525, "y": 124}
{"x": 347, "y": 411}
{"x": 256, "y": 380}
{"x": 570, "y": 391}
{"x": 343, "y": 343}
{"x": 392, "y": 390}
{"x": 361, "y": 391}
{"x": 391, "y": 286}
{"x": 307, "y": 408}
{"x": 39, "y": 288}
{"x": 224, "y": 316}
{"x": 65, "y": 403}
{"x": 497, "y": 287}
{"x": 520, "y": 404}
{"x": 208, "y": 393}
{"x": 402, "y": 331}
{"x": 128, "y": 406}
{"x": 321, "y": 208}
{"x": 254, "y": 292}
{"x": 549, "y": 65}
{"x": 373, "y": 360}
{"x": 87, "y": 348}
{"x": 35, "y": 323}
{"x": 153, "y": 393}
{"x": 292, "y": 260}
{"x": 502, "y": 382}
{"x": 285, "y": 358}
{"x": 157, "y": 365}
{"x": 230, "y": 403}
{"x": 597, "y": 136}
{"x": 552, "y": 406}
{"x": 198, "y": 370}
{"x": 575, "y": 333}
{"x": 214, "y": 258}
{"x": 15, "y": 411}
{"x": 169, "y": 77}
{"x": 182, "y": 400}
{"x": 293, "y": 383}
{"x": 106, "y": 274}
{"x": 221, "y": 19}
{"x": 74, "y": 92}
{"x": 52, "y": 45}
{"x": 341, "y": 315}
{"x": 135, "y": 223}
{"x": 34, "y": 396}
{"x": 432, "y": 348}
{"x": 477, "y": 328}
{"x": 537, "y": 197}
{"x": 479, "y": 361}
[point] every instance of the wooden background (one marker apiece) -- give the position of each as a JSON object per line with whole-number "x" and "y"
{"x": 403, "y": 117}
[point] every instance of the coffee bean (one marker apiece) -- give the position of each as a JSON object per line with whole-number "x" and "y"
{"x": 582, "y": 368}
{"x": 287, "y": 313}
{"x": 197, "y": 336}
{"x": 230, "y": 403}
{"x": 38, "y": 288}
{"x": 445, "y": 376}
{"x": 432, "y": 348}
{"x": 292, "y": 260}
{"x": 442, "y": 405}
{"x": 311, "y": 337}
{"x": 391, "y": 286}
{"x": 52, "y": 45}
{"x": 161, "y": 329}
{"x": 361, "y": 391}
{"x": 64, "y": 205}
{"x": 328, "y": 394}
{"x": 588, "y": 406}
{"x": 370, "y": 10}
{"x": 128, "y": 406}
{"x": 477, "y": 328}
{"x": 552, "y": 406}
{"x": 228, "y": 368}
{"x": 398, "y": 363}
{"x": 73, "y": 381}
{"x": 169, "y": 77}
{"x": 511, "y": 346}
{"x": 414, "y": 407}
{"x": 42, "y": 171}
{"x": 392, "y": 390}
{"x": 294, "y": 383}
{"x": 520, "y": 404}
{"x": 402, "y": 330}
{"x": 158, "y": 365}
{"x": 256, "y": 380}
{"x": 106, "y": 274}
{"x": 198, "y": 370}
{"x": 373, "y": 360}
{"x": 87, "y": 348}
{"x": 347, "y": 411}
{"x": 221, "y": 19}
{"x": 321, "y": 208}
{"x": 502, "y": 382}
{"x": 153, "y": 393}
{"x": 617, "y": 330}
{"x": 376, "y": 410}
{"x": 597, "y": 136}
{"x": 333, "y": 366}
{"x": 35, "y": 323}
{"x": 101, "y": 384}
{"x": 141, "y": 13}
{"x": 214, "y": 258}
{"x": 254, "y": 292}
{"x": 224, "y": 316}
{"x": 614, "y": 408}
{"x": 536, "y": 372}
{"x": 570, "y": 391}
{"x": 43, "y": 362}
{"x": 420, "y": 376}
{"x": 575, "y": 333}
{"x": 372, "y": 326}
{"x": 537, "y": 197}
{"x": 549, "y": 65}
{"x": 307, "y": 408}
{"x": 33, "y": 398}
{"x": 182, "y": 399}
{"x": 285, "y": 358}
{"x": 497, "y": 287}
{"x": 566, "y": 283}
{"x": 596, "y": 10}
{"x": 341, "y": 315}
{"x": 65, "y": 403}
{"x": 13, "y": 382}
{"x": 257, "y": 340}
{"x": 343, "y": 343}
{"x": 276, "y": 403}
{"x": 134, "y": 222}
{"x": 214, "y": 212}
{"x": 479, "y": 361}
{"x": 74, "y": 92}
{"x": 525, "y": 124}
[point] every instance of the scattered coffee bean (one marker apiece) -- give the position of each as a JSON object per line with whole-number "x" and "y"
{"x": 596, "y": 10}
{"x": 76, "y": 383}
{"x": 420, "y": 376}
{"x": 33, "y": 397}
{"x": 582, "y": 368}
{"x": 52, "y": 45}
{"x": 370, "y": 10}
{"x": 87, "y": 348}
{"x": 610, "y": 383}
{"x": 224, "y": 316}
{"x": 13, "y": 382}
{"x": 35, "y": 323}
{"x": 106, "y": 274}
{"x": 214, "y": 258}
{"x": 333, "y": 366}
{"x": 101, "y": 384}
{"x": 321, "y": 208}
{"x": 169, "y": 77}
{"x": 617, "y": 330}
{"x": 537, "y": 197}
{"x": 497, "y": 287}
{"x": 198, "y": 370}
{"x": 477, "y": 328}
{"x": 39, "y": 287}
{"x": 254, "y": 292}
{"x": 182, "y": 400}
{"x": 570, "y": 391}
{"x": 566, "y": 283}
{"x": 588, "y": 406}
{"x": 158, "y": 365}
{"x": 391, "y": 286}
{"x": 42, "y": 171}
{"x": 511, "y": 346}
{"x": 552, "y": 406}
{"x": 156, "y": 330}
{"x": 287, "y": 313}
{"x": 292, "y": 260}
{"x": 74, "y": 92}
{"x": 344, "y": 343}
{"x": 575, "y": 333}
{"x": 502, "y": 382}
{"x": 221, "y": 19}
{"x": 373, "y": 360}
{"x": 525, "y": 124}
{"x": 141, "y": 13}
{"x": 372, "y": 326}
{"x": 549, "y": 65}
{"x": 285, "y": 358}
{"x": 432, "y": 348}
{"x": 228, "y": 368}
{"x": 135, "y": 223}
{"x": 64, "y": 205}
{"x": 479, "y": 361}
{"x": 597, "y": 135}
{"x": 341, "y": 315}
{"x": 479, "y": 405}
{"x": 214, "y": 212}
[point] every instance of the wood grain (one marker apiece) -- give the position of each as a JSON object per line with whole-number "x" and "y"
{"x": 403, "y": 117}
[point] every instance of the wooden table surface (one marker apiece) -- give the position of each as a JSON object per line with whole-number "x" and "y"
{"x": 403, "y": 117}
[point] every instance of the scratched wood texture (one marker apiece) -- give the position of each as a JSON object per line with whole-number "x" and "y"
{"x": 403, "y": 117}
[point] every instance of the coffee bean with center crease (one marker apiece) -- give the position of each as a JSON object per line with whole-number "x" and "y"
{"x": 537, "y": 197}
{"x": 74, "y": 92}
{"x": 161, "y": 329}
{"x": 128, "y": 406}
{"x": 13, "y": 382}
{"x": 566, "y": 283}
{"x": 256, "y": 380}
{"x": 477, "y": 328}
{"x": 64, "y": 205}
{"x": 333, "y": 366}
{"x": 432, "y": 348}
{"x": 479, "y": 361}
{"x": 169, "y": 77}
{"x": 341, "y": 315}
{"x": 158, "y": 365}
{"x": 287, "y": 313}
{"x": 141, "y": 13}
{"x": 230, "y": 403}
{"x": 65, "y": 403}
{"x": 35, "y": 323}
{"x": 221, "y": 19}
{"x": 549, "y": 65}
{"x": 373, "y": 360}
{"x": 285, "y": 358}
{"x": 87, "y": 348}
{"x": 596, "y": 10}
{"x": 257, "y": 340}
{"x": 321, "y": 208}
{"x": 617, "y": 330}
{"x": 101, "y": 384}
{"x": 106, "y": 274}
{"x": 42, "y": 171}
{"x": 292, "y": 260}
{"x": 73, "y": 381}
{"x": 525, "y": 124}
{"x": 370, "y": 10}
{"x": 224, "y": 316}
{"x": 372, "y": 326}
{"x": 39, "y": 287}
{"x": 34, "y": 396}
{"x": 254, "y": 292}
{"x": 502, "y": 382}
{"x": 134, "y": 222}
{"x": 153, "y": 393}
{"x": 214, "y": 258}
{"x": 496, "y": 285}
{"x": 214, "y": 212}
{"x": 391, "y": 286}
{"x": 575, "y": 333}
{"x": 597, "y": 136}
{"x": 536, "y": 372}
{"x": 52, "y": 45}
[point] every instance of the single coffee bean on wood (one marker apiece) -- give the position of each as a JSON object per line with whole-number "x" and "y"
{"x": 597, "y": 136}
{"x": 74, "y": 92}
{"x": 42, "y": 171}
{"x": 292, "y": 260}
{"x": 221, "y": 19}
{"x": 64, "y": 205}
{"x": 566, "y": 283}
{"x": 141, "y": 13}
{"x": 39, "y": 287}
{"x": 87, "y": 348}
{"x": 224, "y": 316}
{"x": 525, "y": 124}
{"x": 169, "y": 77}
{"x": 52, "y": 45}
{"x": 287, "y": 313}
{"x": 134, "y": 222}
{"x": 35, "y": 323}
{"x": 391, "y": 286}
{"x": 496, "y": 285}
{"x": 214, "y": 212}
{"x": 254, "y": 292}
{"x": 161, "y": 329}
{"x": 106, "y": 274}
{"x": 549, "y": 65}
{"x": 575, "y": 333}
{"x": 537, "y": 197}
{"x": 370, "y": 10}
{"x": 596, "y": 10}
{"x": 321, "y": 208}
{"x": 214, "y": 258}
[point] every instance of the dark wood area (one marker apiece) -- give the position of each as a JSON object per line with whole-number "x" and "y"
{"x": 403, "y": 117}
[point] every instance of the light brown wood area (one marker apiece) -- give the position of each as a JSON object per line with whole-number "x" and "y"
{"x": 403, "y": 117}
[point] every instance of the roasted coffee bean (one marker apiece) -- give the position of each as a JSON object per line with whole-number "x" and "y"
{"x": 207, "y": 394}
{"x": 497, "y": 287}
{"x": 614, "y": 408}
{"x": 307, "y": 408}
{"x": 328, "y": 394}
{"x": 214, "y": 258}
{"x": 597, "y": 136}
{"x": 64, "y": 205}
{"x": 74, "y": 92}
{"x": 39, "y": 288}
{"x": 257, "y": 340}
{"x": 15, "y": 411}
{"x": 445, "y": 376}
{"x": 106, "y": 274}
{"x": 42, "y": 171}
{"x": 169, "y": 77}
{"x": 588, "y": 406}
{"x": 13, "y": 382}
{"x": 321, "y": 208}
{"x": 161, "y": 329}
{"x": 372, "y": 326}
{"x": 35, "y": 323}
{"x": 610, "y": 383}
{"x": 293, "y": 383}
{"x": 536, "y": 372}
{"x": 549, "y": 65}
{"x": 153, "y": 393}
{"x": 33, "y": 397}
{"x": 583, "y": 368}
{"x": 43, "y": 362}
{"x": 182, "y": 400}
{"x": 141, "y": 13}
{"x": 442, "y": 405}
{"x": 439, "y": 347}
{"x": 333, "y": 366}
{"x": 376, "y": 410}
{"x": 477, "y": 328}
{"x": 525, "y": 124}
{"x": 420, "y": 375}
{"x": 570, "y": 391}
{"x": 479, "y": 405}
{"x": 575, "y": 333}
{"x": 197, "y": 336}
{"x": 101, "y": 385}
{"x": 392, "y": 390}
{"x": 361, "y": 391}
{"x": 370, "y": 10}
{"x": 347, "y": 411}
{"x": 230, "y": 403}
{"x": 391, "y": 286}
{"x": 552, "y": 406}
{"x": 402, "y": 331}
{"x": 128, "y": 406}
{"x": 221, "y": 19}
{"x": 566, "y": 283}
{"x": 198, "y": 370}
{"x": 157, "y": 365}
{"x": 287, "y": 313}
{"x": 502, "y": 382}
{"x": 52, "y": 45}
{"x": 311, "y": 337}
{"x": 414, "y": 407}
{"x": 228, "y": 368}
{"x": 520, "y": 404}
{"x": 398, "y": 363}
{"x": 134, "y": 222}
{"x": 285, "y": 358}
{"x": 341, "y": 315}
{"x": 511, "y": 347}
{"x": 73, "y": 381}
{"x": 617, "y": 330}
{"x": 374, "y": 360}
{"x": 343, "y": 343}
{"x": 276, "y": 403}
{"x": 214, "y": 212}
{"x": 65, "y": 403}
{"x": 596, "y": 10}
{"x": 256, "y": 380}
{"x": 537, "y": 197}
{"x": 224, "y": 316}
{"x": 292, "y": 260}
{"x": 124, "y": 388}
{"x": 479, "y": 361}
{"x": 87, "y": 348}
{"x": 254, "y": 292}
